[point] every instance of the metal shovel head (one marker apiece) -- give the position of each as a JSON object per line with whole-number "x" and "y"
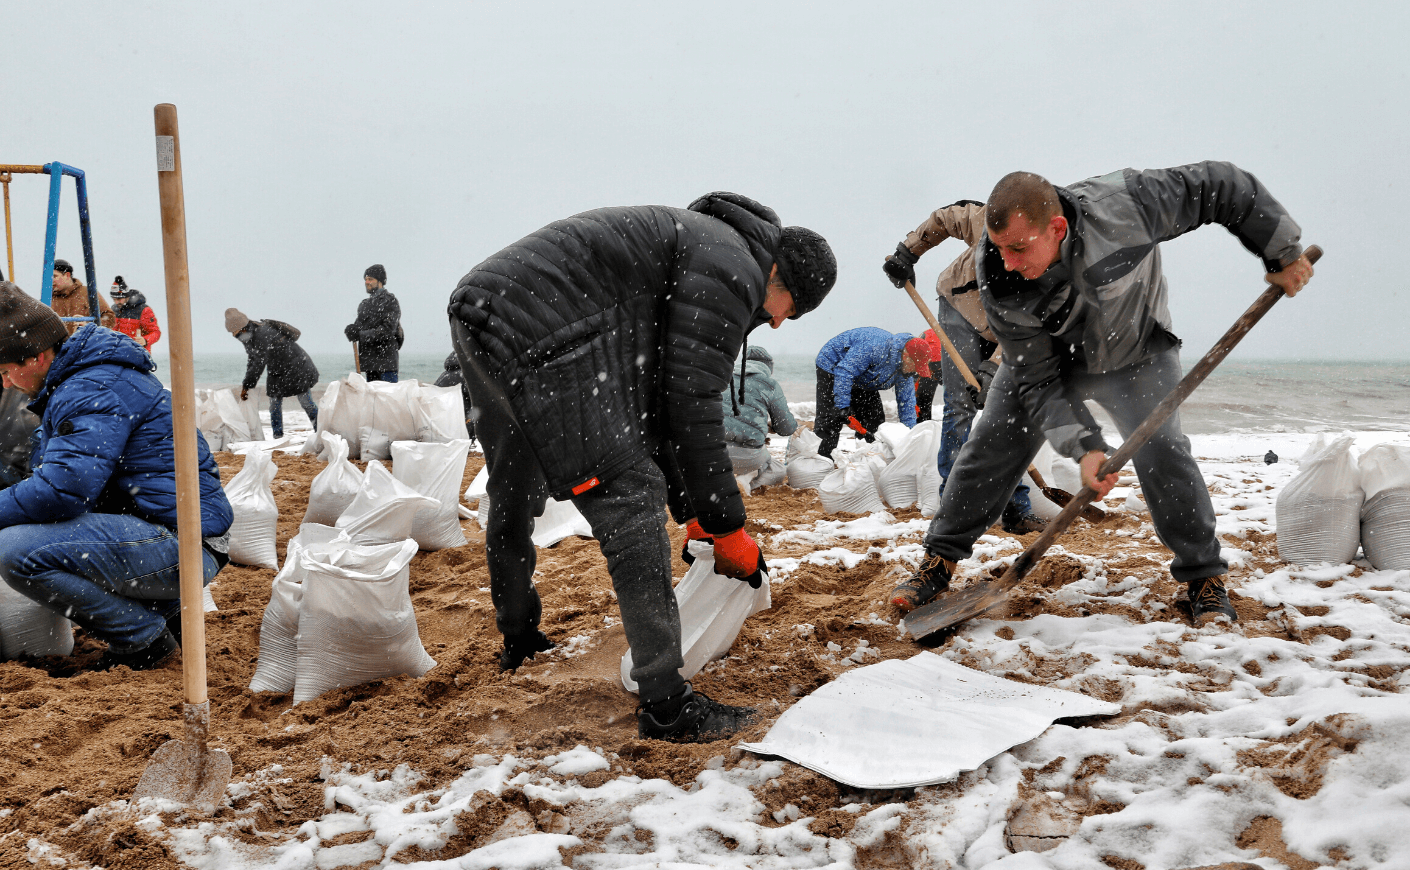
{"x": 186, "y": 771}
{"x": 954, "y": 608}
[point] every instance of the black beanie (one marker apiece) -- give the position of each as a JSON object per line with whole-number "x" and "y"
{"x": 807, "y": 267}
{"x": 28, "y": 327}
{"x": 376, "y": 272}
{"x": 63, "y": 266}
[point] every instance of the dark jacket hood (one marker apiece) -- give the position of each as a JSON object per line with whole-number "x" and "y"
{"x": 757, "y": 223}
{"x": 91, "y": 346}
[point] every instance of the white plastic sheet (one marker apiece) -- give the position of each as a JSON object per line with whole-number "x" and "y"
{"x": 335, "y": 487}
{"x": 915, "y": 722}
{"x": 713, "y": 608}
{"x": 434, "y": 470}
{"x": 252, "y": 535}
{"x": 29, "y": 628}
{"x": 1319, "y": 510}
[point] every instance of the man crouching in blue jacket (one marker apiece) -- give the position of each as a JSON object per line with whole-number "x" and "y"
{"x": 91, "y": 534}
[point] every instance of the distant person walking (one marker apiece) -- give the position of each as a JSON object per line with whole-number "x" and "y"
{"x": 377, "y": 330}
{"x": 135, "y": 318}
{"x": 70, "y": 299}
{"x": 273, "y": 344}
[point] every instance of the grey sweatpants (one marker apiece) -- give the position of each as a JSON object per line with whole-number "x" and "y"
{"x": 628, "y": 518}
{"x": 1006, "y": 439}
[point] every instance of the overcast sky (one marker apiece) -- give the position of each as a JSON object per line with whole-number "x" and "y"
{"x": 318, "y": 139}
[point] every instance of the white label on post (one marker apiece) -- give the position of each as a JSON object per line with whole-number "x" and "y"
{"x": 166, "y": 154}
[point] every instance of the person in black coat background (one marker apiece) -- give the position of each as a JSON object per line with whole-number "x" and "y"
{"x": 274, "y": 345}
{"x": 377, "y": 329}
{"x": 595, "y": 351}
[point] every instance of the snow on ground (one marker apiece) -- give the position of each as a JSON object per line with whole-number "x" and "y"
{"x": 1231, "y": 746}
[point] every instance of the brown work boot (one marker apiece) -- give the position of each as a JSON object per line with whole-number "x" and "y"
{"x": 1209, "y": 600}
{"x": 929, "y": 581}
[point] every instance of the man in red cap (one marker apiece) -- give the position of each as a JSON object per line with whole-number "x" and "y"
{"x": 853, "y": 368}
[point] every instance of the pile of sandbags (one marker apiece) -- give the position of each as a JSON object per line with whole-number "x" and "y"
{"x": 1385, "y": 514}
{"x": 1319, "y": 510}
{"x": 225, "y": 419}
{"x": 851, "y": 487}
{"x": 371, "y": 416}
{"x": 913, "y": 476}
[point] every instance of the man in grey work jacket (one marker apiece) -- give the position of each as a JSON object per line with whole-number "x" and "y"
{"x": 1071, "y": 280}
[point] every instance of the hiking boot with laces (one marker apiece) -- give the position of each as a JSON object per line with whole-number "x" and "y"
{"x": 1209, "y": 600}
{"x": 522, "y": 646}
{"x": 1023, "y": 524}
{"x": 931, "y": 579}
{"x": 690, "y": 717}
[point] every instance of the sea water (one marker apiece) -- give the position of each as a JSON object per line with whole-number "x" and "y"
{"x": 1239, "y": 396}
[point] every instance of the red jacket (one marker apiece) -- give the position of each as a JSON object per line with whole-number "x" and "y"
{"x": 135, "y": 316}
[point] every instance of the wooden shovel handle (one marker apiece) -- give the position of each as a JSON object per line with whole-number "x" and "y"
{"x": 183, "y": 404}
{"x": 944, "y": 339}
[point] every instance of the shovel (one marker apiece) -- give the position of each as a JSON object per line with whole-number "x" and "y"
{"x": 1060, "y": 497}
{"x": 184, "y": 771}
{"x": 953, "y": 609}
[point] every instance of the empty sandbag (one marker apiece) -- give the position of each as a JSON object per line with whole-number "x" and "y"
{"x": 1385, "y": 515}
{"x": 1319, "y": 511}
{"x": 383, "y": 510}
{"x": 852, "y": 488}
{"x": 279, "y": 630}
{"x": 335, "y": 487}
{"x": 713, "y": 608}
{"x": 434, "y": 470}
{"x": 29, "y": 628}
{"x": 252, "y": 535}
{"x": 356, "y": 621}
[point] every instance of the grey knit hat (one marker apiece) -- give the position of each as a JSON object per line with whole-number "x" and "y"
{"x": 235, "y": 321}
{"x": 28, "y": 327}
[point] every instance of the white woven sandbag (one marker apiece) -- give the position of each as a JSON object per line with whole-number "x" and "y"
{"x": 439, "y": 413}
{"x": 479, "y": 487}
{"x": 1319, "y": 511}
{"x": 356, "y": 622}
{"x": 434, "y": 470}
{"x": 252, "y": 535}
{"x": 894, "y": 436}
{"x": 343, "y": 409}
{"x": 852, "y": 488}
{"x": 713, "y": 608}
{"x": 803, "y": 467}
{"x": 224, "y": 419}
{"x": 390, "y": 417}
{"x": 208, "y": 420}
{"x": 383, "y": 510}
{"x": 902, "y": 483}
{"x": 559, "y": 520}
{"x": 335, "y": 487}
{"x": 1385, "y": 515}
{"x": 29, "y": 628}
{"x": 279, "y": 630}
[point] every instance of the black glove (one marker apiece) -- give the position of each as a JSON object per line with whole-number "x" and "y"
{"x": 900, "y": 267}
{"x": 984, "y": 374}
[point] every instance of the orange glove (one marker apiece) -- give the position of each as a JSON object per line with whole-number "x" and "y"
{"x": 856, "y": 426}
{"x": 693, "y": 532}
{"x": 737, "y": 556}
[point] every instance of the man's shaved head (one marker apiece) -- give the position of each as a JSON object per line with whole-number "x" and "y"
{"x": 1026, "y": 193}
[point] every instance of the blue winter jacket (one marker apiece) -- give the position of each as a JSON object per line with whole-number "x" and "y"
{"x": 104, "y": 442}
{"x": 869, "y": 358}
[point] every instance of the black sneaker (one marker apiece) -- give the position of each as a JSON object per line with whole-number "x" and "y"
{"x": 1209, "y": 600}
{"x": 522, "y": 646}
{"x": 930, "y": 580}
{"x": 690, "y": 718}
{"x": 150, "y": 656}
{"x": 1023, "y": 524}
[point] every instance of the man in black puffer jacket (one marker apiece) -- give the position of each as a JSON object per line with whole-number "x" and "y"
{"x": 595, "y": 351}
{"x": 274, "y": 344}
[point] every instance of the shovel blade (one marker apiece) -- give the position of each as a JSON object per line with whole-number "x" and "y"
{"x": 954, "y": 608}
{"x": 180, "y": 772}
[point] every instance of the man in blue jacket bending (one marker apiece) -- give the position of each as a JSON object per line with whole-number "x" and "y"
{"x": 853, "y": 368}
{"x": 91, "y": 534}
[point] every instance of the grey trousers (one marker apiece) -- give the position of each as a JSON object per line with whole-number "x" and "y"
{"x": 1006, "y": 439}
{"x": 628, "y": 519}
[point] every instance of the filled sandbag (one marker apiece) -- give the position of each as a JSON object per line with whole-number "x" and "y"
{"x": 439, "y": 414}
{"x": 434, "y": 470}
{"x": 852, "y": 487}
{"x": 252, "y": 535}
{"x": 224, "y": 419}
{"x": 390, "y": 417}
{"x": 713, "y": 608}
{"x": 804, "y": 468}
{"x": 1385, "y": 514}
{"x": 279, "y": 630}
{"x": 1319, "y": 511}
{"x": 29, "y": 628}
{"x": 383, "y": 510}
{"x": 912, "y": 473}
{"x": 335, "y": 487}
{"x": 356, "y": 621}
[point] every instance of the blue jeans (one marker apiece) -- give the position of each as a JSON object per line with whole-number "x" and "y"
{"x": 389, "y": 377}
{"x": 959, "y": 404}
{"x": 276, "y": 412}
{"x": 114, "y": 575}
